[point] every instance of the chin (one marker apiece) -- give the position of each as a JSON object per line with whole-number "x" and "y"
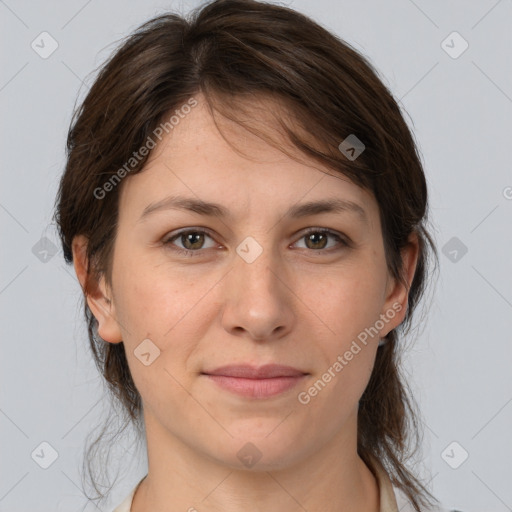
{"x": 261, "y": 448}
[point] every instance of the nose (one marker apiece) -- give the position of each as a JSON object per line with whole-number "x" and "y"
{"x": 258, "y": 302}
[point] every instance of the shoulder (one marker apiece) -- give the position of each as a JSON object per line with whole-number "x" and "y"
{"x": 126, "y": 504}
{"x": 404, "y": 504}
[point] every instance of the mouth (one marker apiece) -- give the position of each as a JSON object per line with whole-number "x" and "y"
{"x": 256, "y": 382}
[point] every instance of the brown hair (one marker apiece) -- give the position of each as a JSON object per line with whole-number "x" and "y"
{"x": 238, "y": 49}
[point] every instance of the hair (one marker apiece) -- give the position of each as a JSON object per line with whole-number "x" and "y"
{"x": 231, "y": 52}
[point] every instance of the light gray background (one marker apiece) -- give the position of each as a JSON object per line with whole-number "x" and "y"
{"x": 461, "y": 108}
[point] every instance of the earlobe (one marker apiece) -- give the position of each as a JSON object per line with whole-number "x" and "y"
{"x": 96, "y": 293}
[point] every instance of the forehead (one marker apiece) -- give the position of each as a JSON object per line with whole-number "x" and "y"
{"x": 215, "y": 159}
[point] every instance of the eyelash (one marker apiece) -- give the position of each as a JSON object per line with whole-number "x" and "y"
{"x": 187, "y": 252}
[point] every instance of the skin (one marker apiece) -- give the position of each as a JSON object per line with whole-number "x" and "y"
{"x": 297, "y": 304}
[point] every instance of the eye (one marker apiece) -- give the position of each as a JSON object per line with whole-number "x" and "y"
{"x": 192, "y": 240}
{"x": 317, "y": 239}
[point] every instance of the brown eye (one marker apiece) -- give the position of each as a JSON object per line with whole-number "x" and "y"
{"x": 318, "y": 239}
{"x": 192, "y": 240}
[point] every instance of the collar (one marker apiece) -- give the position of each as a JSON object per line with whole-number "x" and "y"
{"x": 386, "y": 491}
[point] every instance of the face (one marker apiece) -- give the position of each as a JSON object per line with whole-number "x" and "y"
{"x": 257, "y": 280}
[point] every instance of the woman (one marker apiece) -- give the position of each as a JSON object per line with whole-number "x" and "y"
{"x": 245, "y": 209}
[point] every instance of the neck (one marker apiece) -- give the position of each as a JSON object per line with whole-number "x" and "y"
{"x": 332, "y": 479}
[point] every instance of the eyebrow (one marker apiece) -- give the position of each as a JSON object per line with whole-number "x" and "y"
{"x": 333, "y": 205}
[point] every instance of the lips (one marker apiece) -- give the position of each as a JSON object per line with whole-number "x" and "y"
{"x": 256, "y": 382}
{"x": 268, "y": 371}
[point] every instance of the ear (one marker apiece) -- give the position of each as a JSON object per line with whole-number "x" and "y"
{"x": 98, "y": 298}
{"x": 397, "y": 294}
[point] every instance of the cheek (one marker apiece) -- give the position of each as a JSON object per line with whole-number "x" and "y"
{"x": 169, "y": 308}
{"x": 162, "y": 310}
{"x": 350, "y": 309}
{"x": 351, "y": 301}
{"x": 153, "y": 299}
